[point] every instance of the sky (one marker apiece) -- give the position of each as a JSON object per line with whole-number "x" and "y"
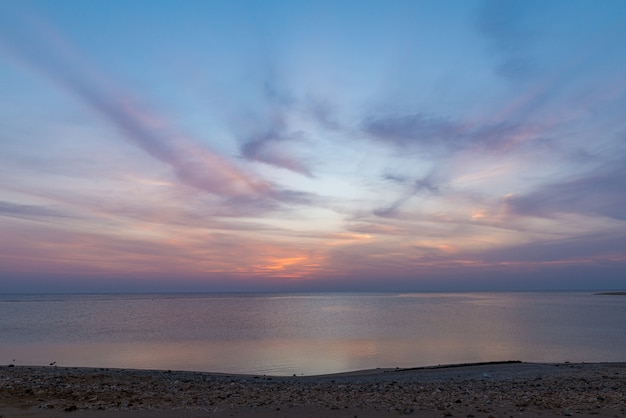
{"x": 312, "y": 145}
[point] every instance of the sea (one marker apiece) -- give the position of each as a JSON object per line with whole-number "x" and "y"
{"x": 309, "y": 333}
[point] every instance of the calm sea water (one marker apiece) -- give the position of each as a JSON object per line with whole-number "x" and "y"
{"x": 284, "y": 334}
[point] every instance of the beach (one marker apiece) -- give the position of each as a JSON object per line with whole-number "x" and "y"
{"x": 498, "y": 389}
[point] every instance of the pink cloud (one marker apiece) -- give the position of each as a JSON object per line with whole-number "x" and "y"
{"x": 43, "y": 49}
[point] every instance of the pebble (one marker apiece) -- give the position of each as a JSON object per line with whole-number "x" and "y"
{"x": 563, "y": 389}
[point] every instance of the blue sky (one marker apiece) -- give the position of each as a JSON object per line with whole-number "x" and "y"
{"x": 285, "y": 145}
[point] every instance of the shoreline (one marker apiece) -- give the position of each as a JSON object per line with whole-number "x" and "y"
{"x": 479, "y": 389}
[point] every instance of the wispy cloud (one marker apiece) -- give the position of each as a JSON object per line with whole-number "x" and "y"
{"x": 193, "y": 164}
{"x": 490, "y": 143}
{"x": 271, "y": 147}
{"x": 395, "y": 177}
{"x": 600, "y": 192}
{"x": 324, "y": 113}
{"x": 440, "y": 136}
{"x": 501, "y": 23}
{"x": 584, "y": 248}
{"x": 425, "y": 185}
{"x": 31, "y": 211}
{"x": 419, "y": 130}
{"x": 271, "y": 137}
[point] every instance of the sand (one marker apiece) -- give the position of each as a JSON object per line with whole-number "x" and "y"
{"x": 509, "y": 389}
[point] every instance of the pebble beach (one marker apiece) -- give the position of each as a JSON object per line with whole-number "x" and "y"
{"x": 500, "y": 389}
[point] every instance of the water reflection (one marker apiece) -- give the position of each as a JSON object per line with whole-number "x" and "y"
{"x": 272, "y": 357}
{"x": 284, "y": 335}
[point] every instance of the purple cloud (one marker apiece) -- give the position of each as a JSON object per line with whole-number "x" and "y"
{"x": 30, "y": 211}
{"x": 426, "y": 185}
{"x": 414, "y": 130}
{"x": 269, "y": 139}
{"x": 434, "y": 135}
{"x": 395, "y": 178}
{"x": 324, "y": 113}
{"x": 587, "y": 247}
{"x": 193, "y": 165}
{"x": 598, "y": 193}
{"x": 271, "y": 148}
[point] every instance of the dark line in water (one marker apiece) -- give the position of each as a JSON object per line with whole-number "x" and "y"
{"x": 451, "y": 366}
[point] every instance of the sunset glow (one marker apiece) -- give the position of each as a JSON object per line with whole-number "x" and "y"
{"x": 279, "y": 145}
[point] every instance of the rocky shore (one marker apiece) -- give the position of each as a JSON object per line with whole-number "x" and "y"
{"x": 509, "y": 389}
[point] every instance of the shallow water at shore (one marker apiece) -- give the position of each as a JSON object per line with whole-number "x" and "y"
{"x": 284, "y": 334}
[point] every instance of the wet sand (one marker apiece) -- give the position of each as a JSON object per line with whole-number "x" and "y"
{"x": 509, "y": 389}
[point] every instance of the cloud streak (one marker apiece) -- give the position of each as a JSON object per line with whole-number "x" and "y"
{"x": 281, "y": 150}
{"x": 440, "y": 136}
{"x": 600, "y": 192}
{"x": 193, "y": 165}
{"x": 272, "y": 140}
{"x": 30, "y": 211}
{"x": 272, "y": 148}
{"x": 419, "y": 130}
